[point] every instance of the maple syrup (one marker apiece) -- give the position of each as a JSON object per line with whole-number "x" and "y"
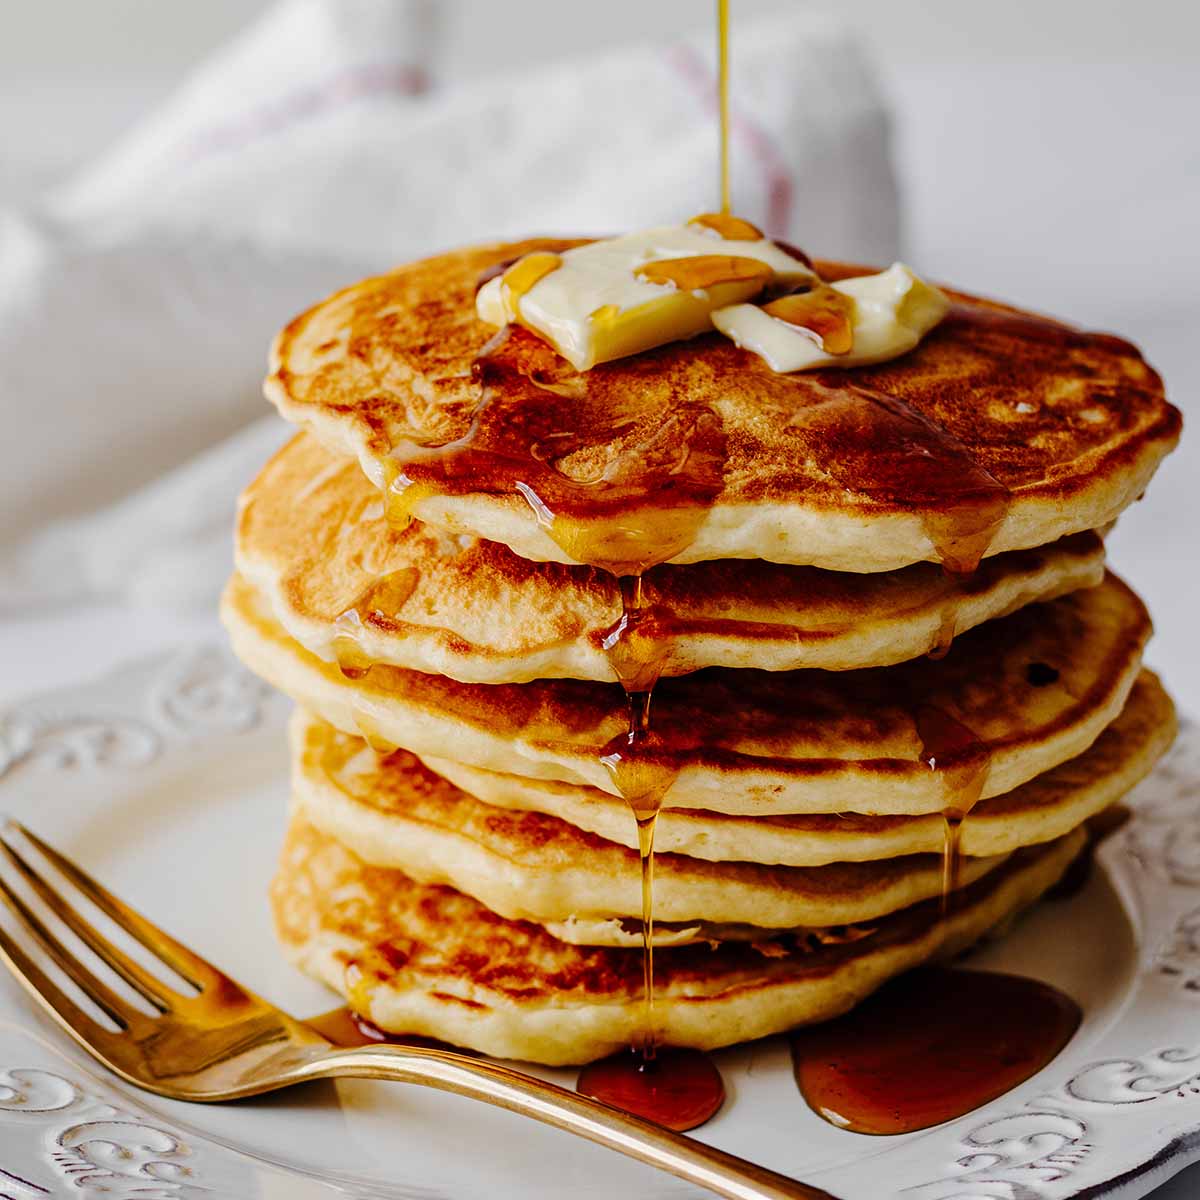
{"x": 642, "y": 780}
{"x": 961, "y": 761}
{"x": 930, "y": 1046}
{"x": 521, "y": 277}
{"x": 879, "y": 447}
{"x": 735, "y": 229}
{"x": 698, "y": 271}
{"x": 947, "y": 627}
{"x": 679, "y": 1088}
{"x": 377, "y": 604}
{"x": 822, "y": 313}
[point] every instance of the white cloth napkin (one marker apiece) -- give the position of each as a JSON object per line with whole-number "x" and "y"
{"x": 136, "y": 303}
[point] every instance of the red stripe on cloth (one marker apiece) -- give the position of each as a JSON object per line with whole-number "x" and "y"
{"x": 346, "y": 86}
{"x": 757, "y": 138}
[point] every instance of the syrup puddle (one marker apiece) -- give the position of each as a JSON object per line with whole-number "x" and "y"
{"x": 931, "y": 1046}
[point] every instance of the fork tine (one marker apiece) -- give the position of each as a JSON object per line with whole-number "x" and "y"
{"x": 84, "y": 1028}
{"x": 146, "y": 985}
{"x": 184, "y": 962}
{"x": 121, "y": 1011}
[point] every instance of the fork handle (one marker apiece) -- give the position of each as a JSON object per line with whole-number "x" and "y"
{"x": 725, "y": 1174}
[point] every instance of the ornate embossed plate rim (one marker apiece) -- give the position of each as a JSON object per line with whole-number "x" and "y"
{"x": 1114, "y": 1126}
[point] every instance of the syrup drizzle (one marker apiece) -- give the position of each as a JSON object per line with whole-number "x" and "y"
{"x": 961, "y": 762}
{"x": 930, "y": 1046}
{"x": 822, "y": 313}
{"x": 735, "y": 229}
{"x": 698, "y": 271}
{"x": 377, "y": 604}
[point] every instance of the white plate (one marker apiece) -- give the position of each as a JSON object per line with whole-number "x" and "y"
{"x": 168, "y": 781}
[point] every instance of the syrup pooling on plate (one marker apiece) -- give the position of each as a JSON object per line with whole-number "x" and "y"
{"x": 930, "y": 1046}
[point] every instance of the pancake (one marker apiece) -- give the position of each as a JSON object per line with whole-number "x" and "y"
{"x": 1002, "y": 430}
{"x": 395, "y": 812}
{"x": 418, "y": 959}
{"x": 1038, "y": 811}
{"x": 312, "y": 537}
{"x": 1035, "y": 688}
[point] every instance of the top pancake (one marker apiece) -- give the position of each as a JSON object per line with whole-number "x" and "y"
{"x": 1001, "y": 431}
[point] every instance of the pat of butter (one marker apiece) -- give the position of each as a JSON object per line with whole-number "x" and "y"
{"x": 892, "y": 312}
{"x": 593, "y": 306}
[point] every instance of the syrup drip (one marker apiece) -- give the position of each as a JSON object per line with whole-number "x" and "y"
{"x": 961, "y": 761}
{"x": 699, "y": 271}
{"x": 378, "y": 604}
{"x": 641, "y": 779}
{"x": 947, "y": 626}
{"x": 521, "y": 277}
{"x": 371, "y": 732}
{"x": 732, "y": 229}
{"x": 620, "y": 482}
{"x": 680, "y": 1088}
{"x": 822, "y": 313}
{"x": 930, "y": 1046}
{"x": 879, "y": 447}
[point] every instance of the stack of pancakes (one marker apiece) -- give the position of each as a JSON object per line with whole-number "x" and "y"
{"x": 413, "y": 569}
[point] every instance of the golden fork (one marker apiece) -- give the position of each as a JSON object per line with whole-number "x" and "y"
{"x": 222, "y": 1042}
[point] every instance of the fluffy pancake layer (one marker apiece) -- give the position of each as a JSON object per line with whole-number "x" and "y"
{"x": 396, "y": 812}
{"x": 830, "y": 469}
{"x": 1035, "y": 689}
{"x": 420, "y": 959}
{"x": 1037, "y": 811}
{"x": 313, "y": 538}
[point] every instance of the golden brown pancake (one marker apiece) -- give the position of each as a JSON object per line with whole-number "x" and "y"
{"x": 1034, "y": 689}
{"x": 419, "y": 959}
{"x": 1001, "y": 431}
{"x": 1042, "y": 809}
{"x": 312, "y": 537}
{"x": 395, "y": 812}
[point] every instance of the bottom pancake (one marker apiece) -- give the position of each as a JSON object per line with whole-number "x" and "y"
{"x": 427, "y": 960}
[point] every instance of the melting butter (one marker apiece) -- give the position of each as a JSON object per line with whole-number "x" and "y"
{"x": 889, "y": 314}
{"x": 604, "y": 300}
